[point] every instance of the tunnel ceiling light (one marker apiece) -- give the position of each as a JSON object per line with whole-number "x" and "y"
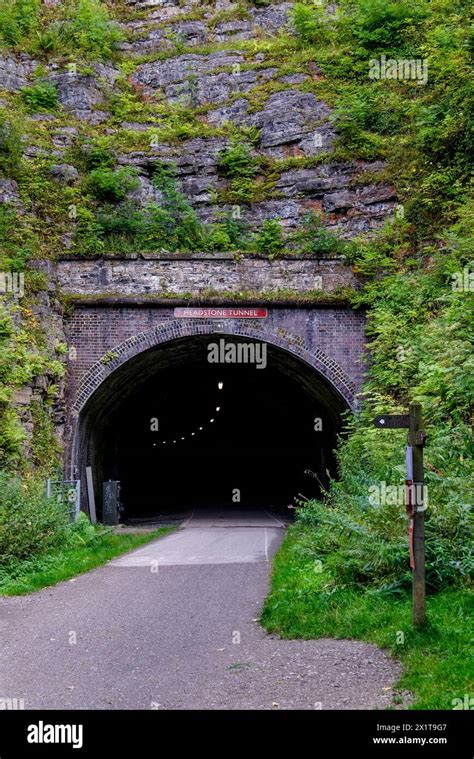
{"x": 218, "y": 408}
{"x": 220, "y": 385}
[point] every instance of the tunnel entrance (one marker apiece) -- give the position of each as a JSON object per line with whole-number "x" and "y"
{"x": 181, "y": 432}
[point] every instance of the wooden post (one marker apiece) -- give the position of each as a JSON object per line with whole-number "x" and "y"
{"x": 415, "y": 504}
{"x": 416, "y": 438}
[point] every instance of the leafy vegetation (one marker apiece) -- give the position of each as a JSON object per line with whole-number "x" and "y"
{"x": 420, "y": 339}
{"x": 75, "y": 27}
{"x": 88, "y": 28}
{"x": 42, "y": 96}
{"x": 238, "y": 164}
{"x": 11, "y": 148}
{"x": 269, "y": 239}
{"x": 82, "y": 547}
{"x": 117, "y": 221}
{"x": 111, "y": 185}
{"x": 17, "y": 19}
{"x": 30, "y": 523}
{"x": 312, "y": 238}
{"x": 309, "y": 22}
{"x": 23, "y": 356}
{"x": 40, "y": 546}
{"x": 172, "y": 223}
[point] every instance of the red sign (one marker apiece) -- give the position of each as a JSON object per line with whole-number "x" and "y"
{"x": 214, "y": 312}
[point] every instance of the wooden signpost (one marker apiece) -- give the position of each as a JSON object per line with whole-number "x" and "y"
{"x": 415, "y": 499}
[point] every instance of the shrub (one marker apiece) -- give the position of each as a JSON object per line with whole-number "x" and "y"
{"x": 124, "y": 220}
{"x": 237, "y": 160}
{"x": 314, "y": 239}
{"x": 82, "y": 532}
{"x": 419, "y": 352}
{"x": 111, "y": 185}
{"x": 42, "y": 96}
{"x": 270, "y": 239}
{"x": 225, "y": 235}
{"x": 366, "y": 544}
{"x": 12, "y": 434}
{"x": 89, "y": 30}
{"x": 370, "y": 109}
{"x": 238, "y": 164}
{"x": 83, "y": 28}
{"x": 97, "y": 155}
{"x": 217, "y": 238}
{"x": 50, "y": 39}
{"x": 30, "y": 523}
{"x": 88, "y": 232}
{"x": 310, "y": 23}
{"x": 17, "y": 19}
{"x": 382, "y": 25}
{"x": 11, "y": 148}
{"x": 174, "y": 224}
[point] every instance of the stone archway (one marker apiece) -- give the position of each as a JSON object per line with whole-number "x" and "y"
{"x": 109, "y": 382}
{"x": 174, "y": 329}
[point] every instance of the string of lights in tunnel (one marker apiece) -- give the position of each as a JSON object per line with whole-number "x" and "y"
{"x": 220, "y": 386}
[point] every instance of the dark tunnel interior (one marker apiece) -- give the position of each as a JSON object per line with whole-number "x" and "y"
{"x": 179, "y": 432}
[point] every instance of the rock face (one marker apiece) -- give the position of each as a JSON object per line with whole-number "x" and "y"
{"x": 64, "y": 173}
{"x": 84, "y": 95}
{"x": 9, "y": 193}
{"x": 177, "y": 70}
{"x": 292, "y": 118}
{"x": 15, "y": 73}
{"x": 191, "y": 33}
{"x": 194, "y": 80}
{"x": 232, "y": 91}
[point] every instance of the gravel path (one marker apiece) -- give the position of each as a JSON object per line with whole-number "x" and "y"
{"x": 173, "y": 626}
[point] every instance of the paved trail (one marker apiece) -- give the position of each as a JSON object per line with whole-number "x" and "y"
{"x": 160, "y": 628}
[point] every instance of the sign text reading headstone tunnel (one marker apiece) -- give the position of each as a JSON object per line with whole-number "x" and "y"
{"x": 209, "y": 312}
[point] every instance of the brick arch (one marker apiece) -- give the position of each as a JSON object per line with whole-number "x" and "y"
{"x": 175, "y": 329}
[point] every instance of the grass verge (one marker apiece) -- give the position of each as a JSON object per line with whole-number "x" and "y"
{"x": 61, "y": 564}
{"x": 438, "y": 662}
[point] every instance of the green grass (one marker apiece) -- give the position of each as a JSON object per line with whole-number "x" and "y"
{"x": 438, "y": 660}
{"x": 62, "y": 564}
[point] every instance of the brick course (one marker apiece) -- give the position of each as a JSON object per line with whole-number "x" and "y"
{"x": 332, "y": 336}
